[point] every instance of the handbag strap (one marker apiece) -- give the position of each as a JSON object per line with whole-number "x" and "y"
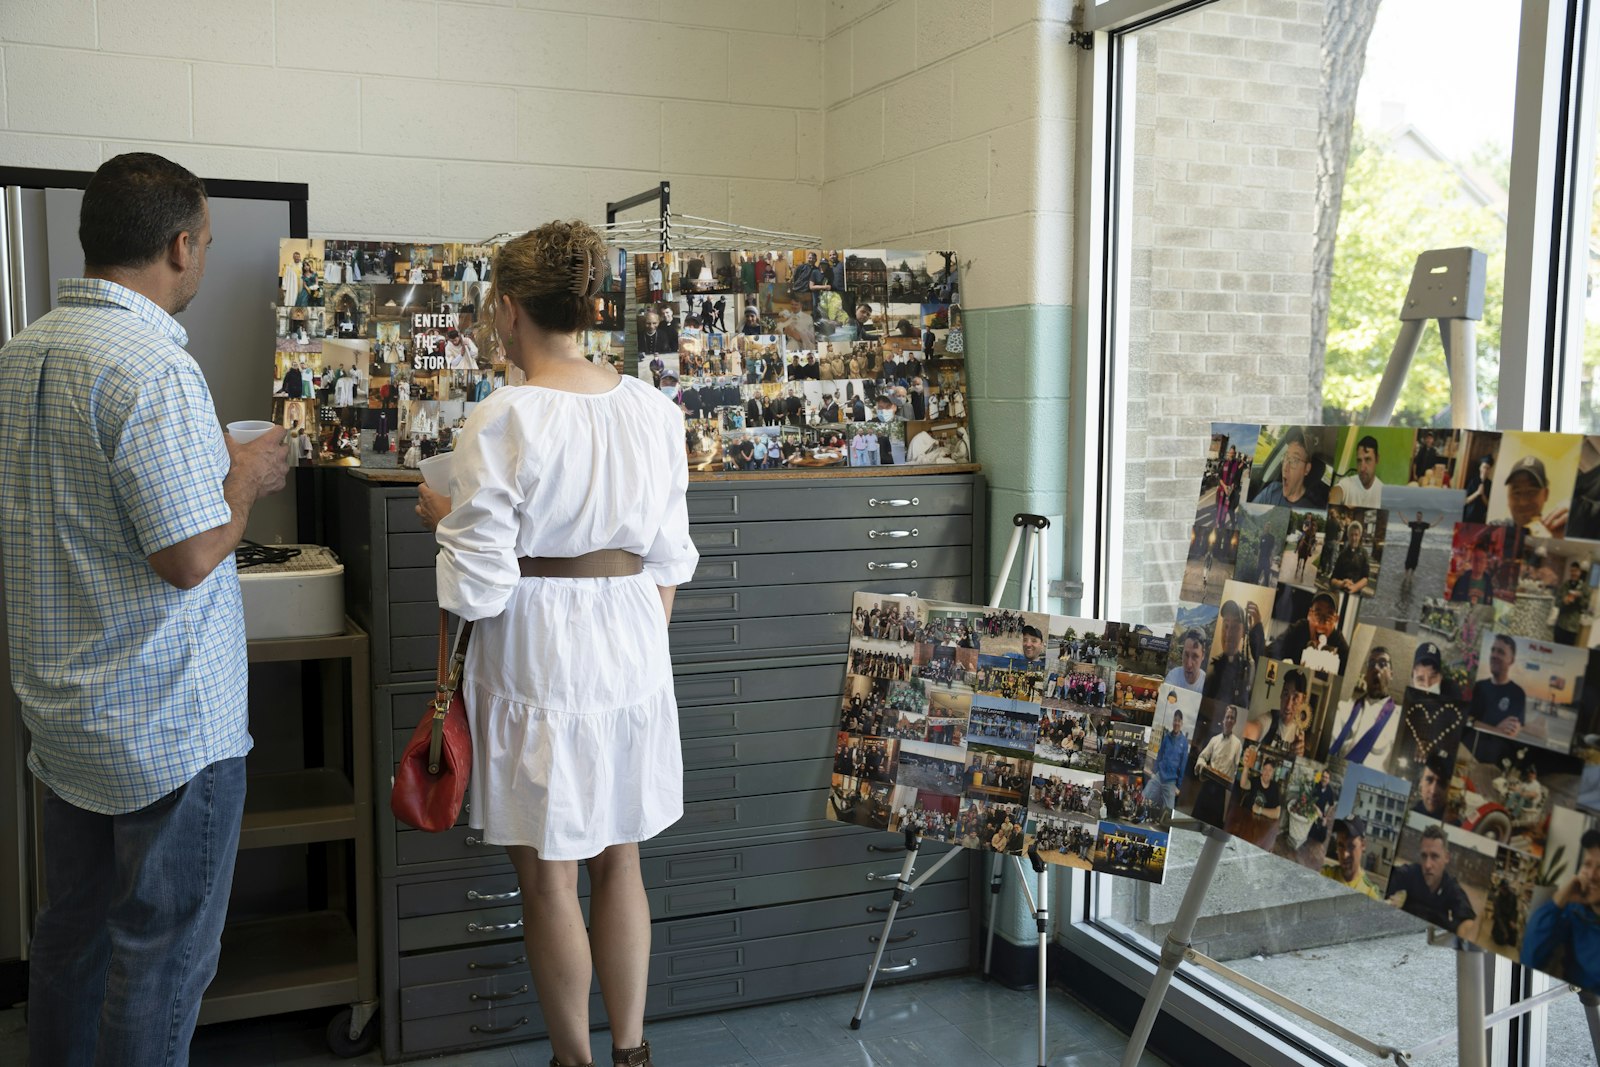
{"x": 450, "y": 668}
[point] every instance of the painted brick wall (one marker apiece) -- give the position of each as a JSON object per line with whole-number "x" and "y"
{"x": 425, "y": 118}
{"x": 1226, "y": 119}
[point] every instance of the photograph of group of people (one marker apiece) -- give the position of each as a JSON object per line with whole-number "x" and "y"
{"x": 1384, "y": 667}
{"x": 803, "y": 358}
{"x": 376, "y": 361}
{"x": 1004, "y": 730}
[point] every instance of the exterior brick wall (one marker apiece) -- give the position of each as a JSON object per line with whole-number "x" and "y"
{"x": 1224, "y": 172}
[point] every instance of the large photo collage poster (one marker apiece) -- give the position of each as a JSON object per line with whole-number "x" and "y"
{"x": 374, "y": 362}
{"x": 806, "y": 358}
{"x": 1011, "y": 731}
{"x": 1388, "y": 637}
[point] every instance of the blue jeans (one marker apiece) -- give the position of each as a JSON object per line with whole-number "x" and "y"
{"x": 129, "y": 937}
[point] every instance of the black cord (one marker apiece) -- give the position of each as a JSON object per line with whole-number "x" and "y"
{"x": 250, "y": 554}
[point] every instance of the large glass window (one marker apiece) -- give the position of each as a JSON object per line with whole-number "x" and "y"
{"x": 1260, "y": 289}
{"x": 1274, "y": 170}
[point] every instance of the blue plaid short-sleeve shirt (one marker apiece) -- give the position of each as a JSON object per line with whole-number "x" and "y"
{"x": 109, "y": 452}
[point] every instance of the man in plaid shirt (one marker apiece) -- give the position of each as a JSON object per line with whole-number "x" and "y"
{"x": 124, "y": 504}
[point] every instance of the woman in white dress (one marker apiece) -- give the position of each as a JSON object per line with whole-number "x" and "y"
{"x": 568, "y": 680}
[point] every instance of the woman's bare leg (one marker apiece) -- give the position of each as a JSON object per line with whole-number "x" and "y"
{"x": 620, "y": 937}
{"x": 558, "y": 950}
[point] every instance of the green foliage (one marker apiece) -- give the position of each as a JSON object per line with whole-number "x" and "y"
{"x": 1393, "y": 209}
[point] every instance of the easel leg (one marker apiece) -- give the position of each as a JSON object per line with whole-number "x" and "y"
{"x": 1591, "y": 1012}
{"x": 1471, "y": 1037}
{"x": 1177, "y": 943}
{"x": 997, "y": 870}
{"x": 1041, "y": 915}
{"x": 901, "y": 888}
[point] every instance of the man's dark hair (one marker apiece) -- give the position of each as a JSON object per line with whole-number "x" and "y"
{"x": 1295, "y": 680}
{"x": 1368, "y": 441}
{"x": 1194, "y": 635}
{"x": 135, "y": 204}
{"x": 1436, "y": 832}
{"x": 1590, "y": 839}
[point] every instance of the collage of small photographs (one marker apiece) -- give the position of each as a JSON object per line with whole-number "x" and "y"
{"x": 1385, "y": 659}
{"x": 1010, "y": 731}
{"x": 800, "y": 358}
{"x": 374, "y": 361}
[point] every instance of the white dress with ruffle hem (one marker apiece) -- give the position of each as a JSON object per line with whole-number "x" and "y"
{"x": 568, "y": 680}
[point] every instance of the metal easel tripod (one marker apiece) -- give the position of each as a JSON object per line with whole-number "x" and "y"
{"x": 1447, "y": 285}
{"x": 1032, "y": 592}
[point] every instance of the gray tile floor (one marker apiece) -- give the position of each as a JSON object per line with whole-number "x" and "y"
{"x": 959, "y": 1021}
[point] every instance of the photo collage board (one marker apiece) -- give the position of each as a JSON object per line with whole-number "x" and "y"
{"x": 1386, "y": 646}
{"x": 1007, "y": 731}
{"x": 804, "y": 358}
{"x": 375, "y": 363}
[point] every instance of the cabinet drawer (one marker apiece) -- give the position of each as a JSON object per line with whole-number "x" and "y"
{"x": 694, "y": 720}
{"x": 869, "y": 498}
{"x": 819, "y": 598}
{"x": 755, "y": 779}
{"x": 749, "y": 720}
{"x": 740, "y": 538}
{"x": 408, "y": 550}
{"x": 789, "y": 568}
{"x": 457, "y": 843}
{"x": 739, "y": 816}
{"x": 699, "y": 640}
{"x": 521, "y": 1022}
{"x": 696, "y": 690}
{"x": 487, "y": 887}
{"x": 412, "y": 585}
{"x": 668, "y": 965}
{"x": 694, "y": 933}
{"x": 401, "y": 513}
{"x": 488, "y": 925}
{"x": 419, "y": 618}
{"x": 701, "y": 753}
{"x": 724, "y": 817}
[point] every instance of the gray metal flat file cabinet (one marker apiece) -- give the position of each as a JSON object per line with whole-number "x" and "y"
{"x": 754, "y": 896}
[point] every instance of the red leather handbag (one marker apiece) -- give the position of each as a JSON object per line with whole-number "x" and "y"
{"x": 432, "y": 777}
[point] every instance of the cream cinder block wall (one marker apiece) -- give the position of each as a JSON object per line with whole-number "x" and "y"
{"x": 950, "y": 124}
{"x": 430, "y": 118}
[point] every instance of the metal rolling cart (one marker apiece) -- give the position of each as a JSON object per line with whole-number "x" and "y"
{"x": 325, "y": 954}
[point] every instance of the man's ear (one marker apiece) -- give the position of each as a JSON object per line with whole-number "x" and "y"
{"x": 182, "y": 250}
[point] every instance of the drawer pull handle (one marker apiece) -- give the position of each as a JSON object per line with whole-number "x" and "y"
{"x": 473, "y": 894}
{"x": 873, "y": 938}
{"x": 523, "y": 988}
{"x": 913, "y": 532}
{"x": 892, "y": 566}
{"x": 506, "y": 966}
{"x": 900, "y": 503}
{"x": 888, "y": 876}
{"x": 897, "y": 970}
{"x": 492, "y": 928}
{"x": 875, "y": 910}
{"x": 504, "y": 1029}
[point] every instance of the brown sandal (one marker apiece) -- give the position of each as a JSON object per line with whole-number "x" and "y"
{"x": 557, "y": 1063}
{"x": 632, "y": 1057}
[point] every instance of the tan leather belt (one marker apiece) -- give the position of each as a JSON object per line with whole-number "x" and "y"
{"x": 606, "y": 563}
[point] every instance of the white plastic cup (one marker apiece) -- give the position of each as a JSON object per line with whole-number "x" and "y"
{"x": 436, "y": 472}
{"x": 248, "y": 430}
